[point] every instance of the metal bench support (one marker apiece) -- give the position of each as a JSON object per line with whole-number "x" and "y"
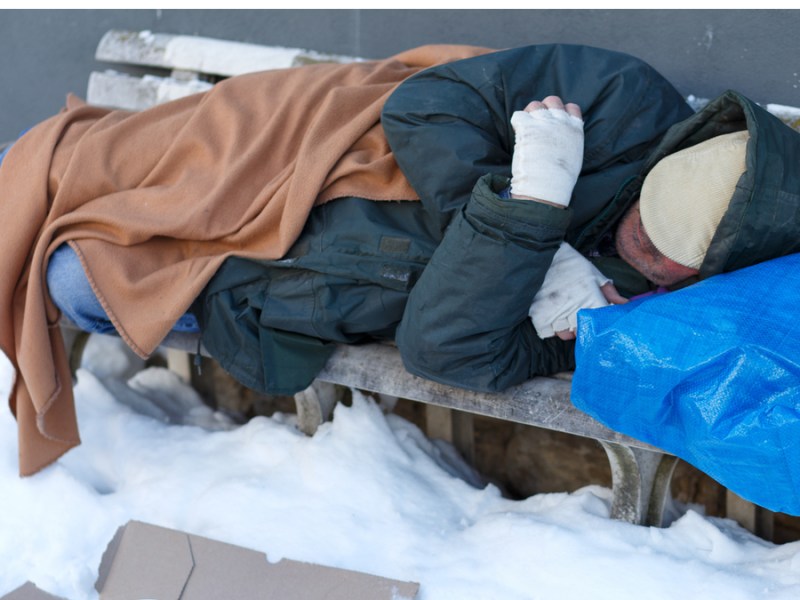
{"x": 315, "y": 405}
{"x": 641, "y": 483}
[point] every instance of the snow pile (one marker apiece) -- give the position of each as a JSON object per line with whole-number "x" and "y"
{"x": 368, "y": 492}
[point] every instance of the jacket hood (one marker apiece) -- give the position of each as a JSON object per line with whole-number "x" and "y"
{"x": 762, "y": 221}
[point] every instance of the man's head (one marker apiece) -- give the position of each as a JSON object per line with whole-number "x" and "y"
{"x": 665, "y": 235}
{"x": 637, "y": 249}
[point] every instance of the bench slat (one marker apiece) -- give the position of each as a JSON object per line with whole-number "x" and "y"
{"x": 203, "y": 55}
{"x": 118, "y": 90}
{"x": 542, "y": 401}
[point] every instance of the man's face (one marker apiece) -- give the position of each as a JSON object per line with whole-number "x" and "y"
{"x": 636, "y": 248}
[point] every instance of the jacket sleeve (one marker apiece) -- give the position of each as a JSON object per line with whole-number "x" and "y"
{"x": 449, "y": 125}
{"x": 466, "y": 321}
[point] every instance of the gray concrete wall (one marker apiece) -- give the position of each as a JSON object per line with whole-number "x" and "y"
{"x": 45, "y": 54}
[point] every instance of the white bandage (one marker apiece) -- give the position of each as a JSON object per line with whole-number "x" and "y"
{"x": 571, "y": 283}
{"x": 548, "y": 154}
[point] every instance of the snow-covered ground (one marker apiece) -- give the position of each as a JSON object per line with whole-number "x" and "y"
{"x": 368, "y": 492}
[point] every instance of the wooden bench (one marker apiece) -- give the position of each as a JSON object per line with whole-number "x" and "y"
{"x": 183, "y": 65}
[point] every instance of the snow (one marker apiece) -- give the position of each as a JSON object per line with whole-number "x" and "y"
{"x": 368, "y": 492}
{"x": 784, "y": 112}
{"x": 208, "y": 55}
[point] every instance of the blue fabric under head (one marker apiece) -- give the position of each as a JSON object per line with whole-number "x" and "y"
{"x": 710, "y": 373}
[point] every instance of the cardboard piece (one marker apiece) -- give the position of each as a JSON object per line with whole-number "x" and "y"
{"x": 29, "y": 591}
{"x": 147, "y": 561}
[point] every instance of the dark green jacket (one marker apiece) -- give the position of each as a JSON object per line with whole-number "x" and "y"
{"x": 450, "y": 278}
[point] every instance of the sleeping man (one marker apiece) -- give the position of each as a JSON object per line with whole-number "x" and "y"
{"x": 461, "y": 202}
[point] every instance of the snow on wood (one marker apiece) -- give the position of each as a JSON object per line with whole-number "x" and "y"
{"x": 117, "y": 90}
{"x": 206, "y": 55}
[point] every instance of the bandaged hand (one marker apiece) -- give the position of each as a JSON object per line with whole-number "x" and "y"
{"x": 571, "y": 283}
{"x": 548, "y": 151}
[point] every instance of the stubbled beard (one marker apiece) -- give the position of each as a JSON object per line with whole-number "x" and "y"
{"x": 635, "y": 247}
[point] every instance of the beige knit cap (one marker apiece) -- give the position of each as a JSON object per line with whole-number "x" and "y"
{"x": 686, "y": 194}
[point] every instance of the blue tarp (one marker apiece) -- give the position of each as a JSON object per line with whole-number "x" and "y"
{"x": 710, "y": 373}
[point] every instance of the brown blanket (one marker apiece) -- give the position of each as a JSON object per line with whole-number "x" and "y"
{"x": 153, "y": 202}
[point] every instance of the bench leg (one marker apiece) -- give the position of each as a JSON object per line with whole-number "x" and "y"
{"x": 641, "y": 483}
{"x": 315, "y": 405}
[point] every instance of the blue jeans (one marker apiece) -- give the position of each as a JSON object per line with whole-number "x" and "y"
{"x": 70, "y": 290}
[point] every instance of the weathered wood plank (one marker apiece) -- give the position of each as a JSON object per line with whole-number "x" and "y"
{"x": 202, "y": 54}
{"x": 439, "y": 423}
{"x": 542, "y": 401}
{"x": 754, "y": 518}
{"x": 118, "y": 90}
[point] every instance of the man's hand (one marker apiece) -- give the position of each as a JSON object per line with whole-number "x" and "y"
{"x": 571, "y": 283}
{"x": 548, "y": 151}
